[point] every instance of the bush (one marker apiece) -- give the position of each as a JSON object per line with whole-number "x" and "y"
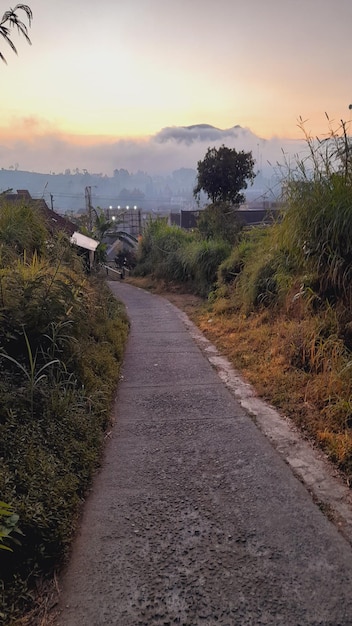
{"x": 173, "y": 255}
{"x": 158, "y": 248}
{"x": 220, "y": 221}
{"x": 21, "y": 229}
{"x": 233, "y": 265}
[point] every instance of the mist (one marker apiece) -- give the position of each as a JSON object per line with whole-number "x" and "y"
{"x": 171, "y": 148}
{"x": 157, "y": 171}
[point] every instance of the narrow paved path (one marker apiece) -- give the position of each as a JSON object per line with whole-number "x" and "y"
{"x": 194, "y": 519}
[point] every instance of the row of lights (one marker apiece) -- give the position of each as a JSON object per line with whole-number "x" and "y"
{"x": 119, "y": 207}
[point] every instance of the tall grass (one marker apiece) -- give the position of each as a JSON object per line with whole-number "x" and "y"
{"x": 258, "y": 273}
{"x": 317, "y": 225}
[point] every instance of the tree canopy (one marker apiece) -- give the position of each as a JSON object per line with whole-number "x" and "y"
{"x": 223, "y": 174}
{"x": 11, "y": 20}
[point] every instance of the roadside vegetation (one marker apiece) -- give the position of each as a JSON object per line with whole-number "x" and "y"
{"x": 279, "y": 297}
{"x": 62, "y": 337}
{"x": 193, "y": 258}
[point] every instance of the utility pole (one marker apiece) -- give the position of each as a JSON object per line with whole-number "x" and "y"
{"x": 89, "y": 208}
{"x": 52, "y": 201}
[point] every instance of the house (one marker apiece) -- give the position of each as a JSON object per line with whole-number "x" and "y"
{"x": 54, "y": 222}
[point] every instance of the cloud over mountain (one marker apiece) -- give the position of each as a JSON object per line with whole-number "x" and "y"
{"x": 171, "y": 148}
{"x": 198, "y": 132}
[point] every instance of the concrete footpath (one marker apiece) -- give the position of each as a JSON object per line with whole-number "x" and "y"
{"x": 195, "y": 519}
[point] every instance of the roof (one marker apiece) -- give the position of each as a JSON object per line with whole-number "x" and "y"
{"x": 54, "y": 221}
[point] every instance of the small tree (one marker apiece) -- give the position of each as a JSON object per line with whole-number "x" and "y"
{"x": 11, "y": 20}
{"x": 223, "y": 173}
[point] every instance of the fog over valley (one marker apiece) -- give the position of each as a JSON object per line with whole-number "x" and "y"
{"x": 156, "y": 172}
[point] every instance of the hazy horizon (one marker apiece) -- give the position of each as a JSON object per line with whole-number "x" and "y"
{"x": 169, "y": 149}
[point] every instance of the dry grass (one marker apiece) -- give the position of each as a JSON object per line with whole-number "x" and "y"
{"x": 45, "y": 611}
{"x": 283, "y": 357}
{"x": 264, "y": 348}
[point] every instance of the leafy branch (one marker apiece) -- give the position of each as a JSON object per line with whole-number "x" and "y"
{"x": 11, "y": 20}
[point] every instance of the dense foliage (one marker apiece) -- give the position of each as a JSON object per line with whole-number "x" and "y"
{"x": 62, "y": 337}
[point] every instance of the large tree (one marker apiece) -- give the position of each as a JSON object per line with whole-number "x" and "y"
{"x": 223, "y": 174}
{"x": 11, "y": 20}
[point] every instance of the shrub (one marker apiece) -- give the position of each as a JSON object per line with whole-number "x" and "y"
{"x": 173, "y": 255}
{"x": 220, "y": 221}
{"x": 233, "y": 265}
{"x": 160, "y": 252}
{"x": 157, "y": 248}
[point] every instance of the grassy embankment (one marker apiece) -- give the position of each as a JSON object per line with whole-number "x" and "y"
{"x": 279, "y": 302}
{"x": 62, "y": 337}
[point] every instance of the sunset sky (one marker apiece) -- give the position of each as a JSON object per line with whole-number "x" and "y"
{"x": 99, "y": 72}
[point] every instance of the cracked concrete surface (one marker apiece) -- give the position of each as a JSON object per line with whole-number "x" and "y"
{"x": 200, "y": 513}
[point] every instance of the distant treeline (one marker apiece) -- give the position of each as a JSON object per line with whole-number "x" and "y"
{"x": 66, "y": 191}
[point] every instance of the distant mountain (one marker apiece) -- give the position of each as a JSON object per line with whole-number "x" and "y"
{"x": 201, "y": 126}
{"x": 209, "y": 126}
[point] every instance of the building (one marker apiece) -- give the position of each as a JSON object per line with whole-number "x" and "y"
{"x": 248, "y": 216}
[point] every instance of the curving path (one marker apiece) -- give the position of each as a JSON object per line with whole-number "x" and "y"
{"x": 194, "y": 518}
